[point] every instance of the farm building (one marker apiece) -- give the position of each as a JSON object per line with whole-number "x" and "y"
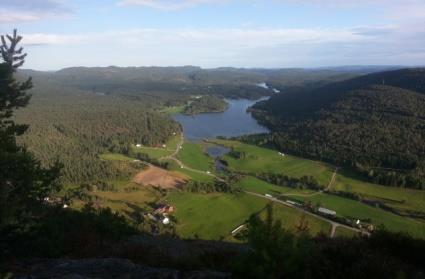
{"x": 163, "y": 208}
{"x": 326, "y": 211}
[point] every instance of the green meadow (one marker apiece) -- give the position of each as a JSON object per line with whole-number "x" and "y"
{"x": 214, "y": 216}
{"x": 399, "y": 198}
{"x": 193, "y": 156}
{"x": 344, "y": 207}
{"x": 260, "y": 159}
{"x": 115, "y": 157}
{"x": 159, "y": 152}
{"x": 173, "y": 109}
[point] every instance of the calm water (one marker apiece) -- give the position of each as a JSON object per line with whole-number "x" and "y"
{"x": 216, "y": 151}
{"x": 235, "y": 121}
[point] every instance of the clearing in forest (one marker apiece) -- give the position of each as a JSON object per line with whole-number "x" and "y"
{"x": 154, "y": 176}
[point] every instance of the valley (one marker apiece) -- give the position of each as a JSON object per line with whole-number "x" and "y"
{"x": 199, "y": 214}
{"x": 213, "y": 193}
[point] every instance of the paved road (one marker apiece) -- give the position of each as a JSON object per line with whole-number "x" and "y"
{"x": 333, "y": 223}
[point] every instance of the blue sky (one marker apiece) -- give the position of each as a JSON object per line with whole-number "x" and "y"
{"x": 215, "y": 33}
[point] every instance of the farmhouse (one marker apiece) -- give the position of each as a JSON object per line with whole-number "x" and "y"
{"x": 166, "y": 221}
{"x": 326, "y": 211}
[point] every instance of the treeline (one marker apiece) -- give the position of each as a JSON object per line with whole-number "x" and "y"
{"x": 377, "y": 130}
{"x": 304, "y": 182}
{"x": 206, "y": 104}
{"x": 211, "y": 187}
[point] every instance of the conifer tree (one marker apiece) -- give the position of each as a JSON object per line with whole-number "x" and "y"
{"x": 23, "y": 182}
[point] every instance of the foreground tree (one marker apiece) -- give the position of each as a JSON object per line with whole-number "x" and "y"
{"x": 23, "y": 182}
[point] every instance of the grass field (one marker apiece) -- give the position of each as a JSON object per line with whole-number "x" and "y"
{"x": 159, "y": 152}
{"x": 344, "y": 232}
{"x": 357, "y": 210}
{"x": 344, "y": 207}
{"x": 255, "y": 185}
{"x": 214, "y": 216}
{"x": 193, "y": 156}
{"x": 173, "y": 110}
{"x": 115, "y": 157}
{"x": 193, "y": 175}
{"x": 259, "y": 159}
{"x": 123, "y": 200}
{"x": 399, "y": 198}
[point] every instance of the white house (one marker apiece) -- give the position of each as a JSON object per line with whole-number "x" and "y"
{"x": 138, "y": 145}
{"x": 166, "y": 221}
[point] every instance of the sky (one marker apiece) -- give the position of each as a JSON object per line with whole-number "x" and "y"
{"x": 217, "y": 33}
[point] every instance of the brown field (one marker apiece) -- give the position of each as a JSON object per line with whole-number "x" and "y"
{"x": 154, "y": 176}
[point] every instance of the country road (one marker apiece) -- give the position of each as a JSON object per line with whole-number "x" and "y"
{"x": 182, "y": 165}
{"x": 328, "y": 188}
{"x": 333, "y": 223}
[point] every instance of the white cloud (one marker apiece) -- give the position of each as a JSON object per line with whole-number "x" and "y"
{"x": 14, "y": 16}
{"x": 12, "y": 11}
{"x": 168, "y": 4}
{"x": 271, "y": 47}
{"x": 231, "y": 37}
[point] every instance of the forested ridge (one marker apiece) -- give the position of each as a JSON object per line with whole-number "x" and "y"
{"x": 148, "y": 82}
{"x": 374, "y": 124}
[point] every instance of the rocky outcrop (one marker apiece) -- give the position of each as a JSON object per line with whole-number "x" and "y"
{"x": 101, "y": 268}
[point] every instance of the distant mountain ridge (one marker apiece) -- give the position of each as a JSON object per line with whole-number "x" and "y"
{"x": 224, "y": 82}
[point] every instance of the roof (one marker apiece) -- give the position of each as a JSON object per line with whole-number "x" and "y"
{"x": 327, "y": 211}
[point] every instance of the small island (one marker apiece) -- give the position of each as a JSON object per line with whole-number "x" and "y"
{"x": 206, "y": 104}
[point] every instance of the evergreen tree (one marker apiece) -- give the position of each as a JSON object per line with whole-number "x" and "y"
{"x": 23, "y": 182}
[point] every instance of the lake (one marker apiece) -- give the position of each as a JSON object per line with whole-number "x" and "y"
{"x": 235, "y": 121}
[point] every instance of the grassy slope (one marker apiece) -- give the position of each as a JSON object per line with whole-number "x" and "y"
{"x": 216, "y": 215}
{"x": 344, "y": 207}
{"x": 399, "y": 198}
{"x": 357, "y": 210}
{"x": 194, "y": 157}
{"x": 344, "y": 232}
{"x": 193, "y": 175}
{"x": 255, "y": 185}
{"x": 267, "y": 160}
{"x": 261, "y": 159}
{"x": 158, "y": 152}
{"x": 174, "y": 109}
{"x": 115, "y": 157}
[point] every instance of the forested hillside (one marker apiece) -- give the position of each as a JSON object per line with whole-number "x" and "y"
{"x": 74, "y": 127}
{"x": 374, "y": 124}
